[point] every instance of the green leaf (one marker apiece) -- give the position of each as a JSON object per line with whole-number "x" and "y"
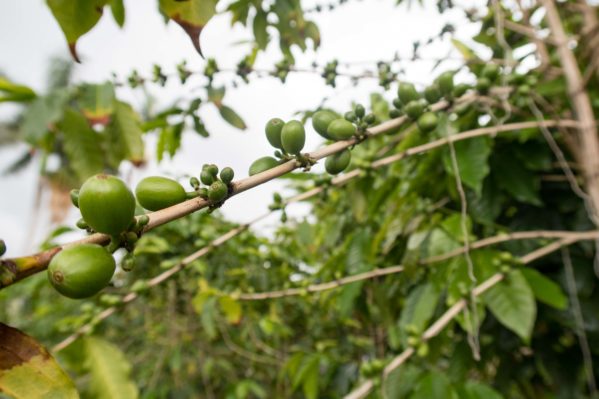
{"x": 419, "y": 308}
{"x": 231, "y": 117}
{"x": 109, "y": 369}
{"x": 434, "y": 385}
{"x": 401, "y": 381}
{"x": 28, "y": 371}
{"x": 307, "y": 376}
{"x": 124, "y": 136}
{"x": 76, "y": 18}
{"x": 10, "y": 91}
{"x": 545, "y": 289}
{"x": 512, "y": 302}
{"x": 97, "y": 102}
{"x": 259, "y": 26}
{"x": 231, "y": 308}
{"x": 515, "y": 179}
{"x": 472, "y": 157}
{"x": 118, "y": 12}
{"x": 191, "y": 15}
{"x": 81, "y": 145}
{"x": 477, "y": 390}
{"x": 42, "y": 114}
{"x": 311, "y": 31}
{"x": 216, "y": 95}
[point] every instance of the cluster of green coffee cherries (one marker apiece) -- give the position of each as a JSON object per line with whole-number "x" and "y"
{"x": 289, "y": 138}
{"x": 108, "y": 206}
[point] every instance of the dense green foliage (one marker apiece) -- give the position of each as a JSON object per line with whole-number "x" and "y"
{"x": 205, "y": 333}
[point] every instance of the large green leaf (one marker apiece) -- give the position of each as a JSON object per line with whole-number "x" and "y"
{"x": 545, "y": 289}
{"x": 81, "y": 145}
{"x": 472, "y": 157}
{"x": 514, "y": 178}
{"x": 109, "y": 371}
{"x": 76, "y": 18}
{"x": 124, "y": 135}
{"x": 512, "y": 302}
{"x": 419, "y": 308}
{"x": 27, "y": 371}
{"x": 191, "y": 15}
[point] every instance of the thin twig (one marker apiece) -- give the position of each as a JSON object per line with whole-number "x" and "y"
{"x": 579, "y": 323}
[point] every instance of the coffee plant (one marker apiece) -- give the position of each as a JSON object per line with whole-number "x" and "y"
{"x": 450, "y": 250}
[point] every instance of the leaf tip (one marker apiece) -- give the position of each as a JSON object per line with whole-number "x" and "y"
{"x": 73, "y": 51}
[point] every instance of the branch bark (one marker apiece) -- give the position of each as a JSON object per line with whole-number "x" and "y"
{"x": 588, "y": 147}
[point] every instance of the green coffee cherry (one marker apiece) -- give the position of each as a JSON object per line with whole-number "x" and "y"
{"x": 206, "y": 177}
{"x": 81, "y": 271}
{"x": 491, "y": 72}
{"x": 483, "y": 85}
{"x": 226, "y": 175}
{"x": 414, "y": 109}
{"x": 194, "y": 182}
{"x": 445, "y": 83}
{"x": 2, "y": 247}
{"x": 370, "y": 119}
{"x": 432, "y": 94}
{"x": 75, "y": 197}
{"x": 212, "y": 169}
{"x": 407, "y": 92}
{"x": 350, "y": 116}
{"x": 293, "y": 137}
{"x": 337, "y": 163}
{"x": 427, "y": 122}
{"x": 394, "y": 113}
{"x": 157, "y": 192}
{"x": 397, "y": 103}
{"x": 218, "y": 191}
{"x": 273, "y": 132}
{"x": 460, "y": 89}
{"x": 321, "y": 121}
{"x": 131, "y": 237}
{"x": 262, "y": 164}
{"x": 106, "y": 204}
{"x": 359, "y": 111}
{"x": 341, "y": 129}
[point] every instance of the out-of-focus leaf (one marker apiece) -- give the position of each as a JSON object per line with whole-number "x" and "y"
{"x": 97, "y": 102}
{"x": 515, "y": 179}
{"x": 42, "y": 114}
{"x": 109, "y": 371}
{"x": 216, "y": 95}
{"x": 434, "y": 385}
{"x": 191, "y": 15}
{"x": 81, "y": 145}
{"x": 232, "y": 117}
{"x": 231, "y": 308}
{"x": 28, "y": 371}
{"x": 419, "y": 308}
{"x": 512, "y": 302}
{"x": 118, "y": 11}
{"x": 10, "y": 91}
{"x": 259, "y": 26}
{"x": 477, "y": 390}
{"x": 76, "y": 18}
{"x": 545, "y": 289}
{"x": 125, "y": 135}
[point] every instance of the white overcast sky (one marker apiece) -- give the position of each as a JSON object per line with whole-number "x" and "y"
{"x": 367, "y": 30}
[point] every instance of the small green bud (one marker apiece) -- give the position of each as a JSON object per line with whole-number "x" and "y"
{"x": 75, "y": 197}
{"x": 350, "y": 116}
{"x": 82, "y": 224}
{"x": 226, "y": 175}
{"x": 359, "y": 111}
{"x": 194, "y": 182}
